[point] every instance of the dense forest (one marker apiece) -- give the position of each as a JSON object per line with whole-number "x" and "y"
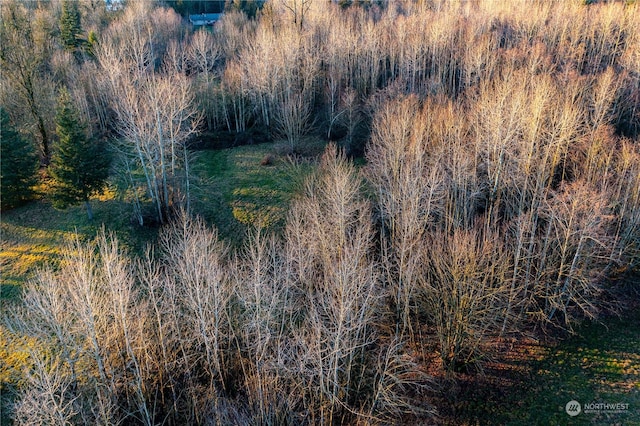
{"x": 480, "y": 182}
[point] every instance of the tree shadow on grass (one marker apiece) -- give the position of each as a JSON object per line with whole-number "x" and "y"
{"x": 531, "y": 382}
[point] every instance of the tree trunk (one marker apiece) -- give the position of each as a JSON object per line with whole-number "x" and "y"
{"x": 46, "y": 153}
{"x": 89, "y": 210}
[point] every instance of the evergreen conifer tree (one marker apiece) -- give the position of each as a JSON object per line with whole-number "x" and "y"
{"x": 79, "y": 165}
{"x": 18, "y": 165}
{"x": 70, "y": 28}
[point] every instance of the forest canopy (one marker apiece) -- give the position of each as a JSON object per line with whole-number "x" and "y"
{"x": 496, "y": 195}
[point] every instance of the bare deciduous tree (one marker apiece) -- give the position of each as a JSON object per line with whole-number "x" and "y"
{"x": 24, "y": 56}
{"x": 155, "y": 112}
{"x": 203, "y": 53}
{"x": 407, "y": 191}
{"x": 298, "y": 10}
{"x": 465, "y": 292}
{"x": 49, "y": 398}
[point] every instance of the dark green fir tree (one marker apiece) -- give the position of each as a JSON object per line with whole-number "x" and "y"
{"x": 70, "y": 29}
{"x": 18, "y": 165}
{"x": 80, "y": 164}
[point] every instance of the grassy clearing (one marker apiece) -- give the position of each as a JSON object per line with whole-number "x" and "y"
{"x": 236, "y": 191}
{"x": 33, "y": 235}
{"x": 533, "y": 382}
{"x": 233, "y": 191}
{"x": 600, "y": 364}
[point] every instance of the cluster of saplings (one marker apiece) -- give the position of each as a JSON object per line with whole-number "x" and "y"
{"x": 501, "y": 193}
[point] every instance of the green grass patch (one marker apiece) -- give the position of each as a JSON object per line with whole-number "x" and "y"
{"x": 533, "y": 382}
{"x": 244, "y": 187}
{"x": 600, "y": 364}
{"x": 33, "y": 236}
